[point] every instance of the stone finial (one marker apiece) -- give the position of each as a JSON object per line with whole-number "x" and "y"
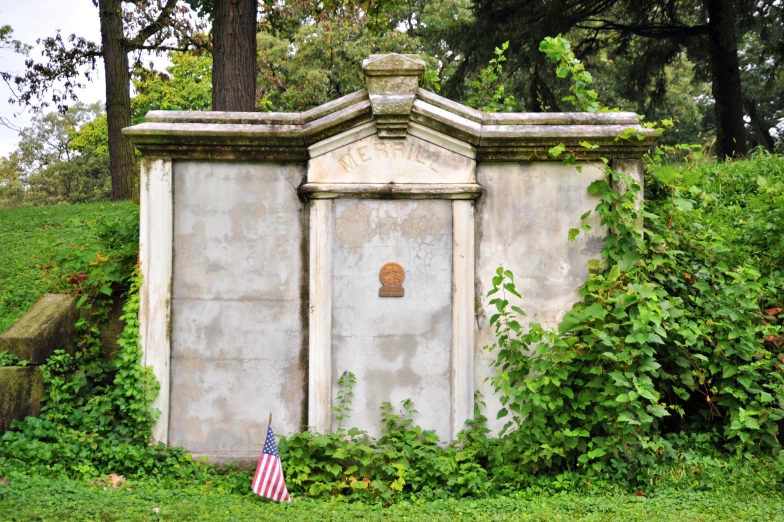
{"x": 392, "y": 81}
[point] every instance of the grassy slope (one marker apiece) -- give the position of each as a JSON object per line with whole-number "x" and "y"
{"x": 29, "y": 499}
{"x": 32, "y": 237}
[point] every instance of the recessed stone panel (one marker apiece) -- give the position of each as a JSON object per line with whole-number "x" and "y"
{"x": 398, "y": 347}
{"x": 237, "y": 330}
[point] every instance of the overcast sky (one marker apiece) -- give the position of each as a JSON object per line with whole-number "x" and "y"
{"x": 34, "y": 19}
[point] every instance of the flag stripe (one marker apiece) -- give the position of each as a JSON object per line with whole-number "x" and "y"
{"x": 278, "y": 491}
{"x": 264, "y": 468}
{"x": 271, "y": 480}
{"x": 263, "y": 463}
{"x": 257, "y": 477}
{"x": 281, "y": 487}
{"x": 268, "y": 471}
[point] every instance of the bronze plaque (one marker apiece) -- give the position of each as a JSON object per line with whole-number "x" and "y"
{"x": 392, "y": 276}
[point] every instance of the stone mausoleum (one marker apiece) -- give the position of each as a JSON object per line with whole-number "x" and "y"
{"x": 280, "y": 249}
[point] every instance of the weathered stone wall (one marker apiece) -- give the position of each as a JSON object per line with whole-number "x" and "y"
{"x": 49, "y": 325}
{"x": 21, "y": 389}
{"x": 238, "y": 347}
{"x": 398, "y": 347}
{"x": 522, "y": 222}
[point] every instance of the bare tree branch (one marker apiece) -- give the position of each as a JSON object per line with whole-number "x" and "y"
{"x": 154, "y": 27}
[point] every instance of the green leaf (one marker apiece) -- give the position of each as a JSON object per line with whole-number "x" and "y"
{"x": 746, "y": 381}
{"x": 628, "y": 260}
{"x": 81, "y": 301}
{"x": 666, "y": 174}
{"x": 518, "y": 310}
{"x": 691, "y": 177}
{"x": 510, "y": 287}
{"x": 598, "y": 187}
{"x": 557, "y": 150}
{"x": 684, "y": 205}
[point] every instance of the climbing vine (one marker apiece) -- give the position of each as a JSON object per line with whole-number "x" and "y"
{"x": 669, "y": 336}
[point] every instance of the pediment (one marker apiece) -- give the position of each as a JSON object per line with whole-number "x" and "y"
{"x": 362, "y": 156}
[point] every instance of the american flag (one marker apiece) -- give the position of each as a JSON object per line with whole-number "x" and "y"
{"x": 268, "y": 480}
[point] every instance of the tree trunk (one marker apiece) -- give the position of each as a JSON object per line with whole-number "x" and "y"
{"x": 234, "y": 55}
{"x": 122, "y": 159}
{"x": 730, "y": 133}
{"x": 764, "y": 137}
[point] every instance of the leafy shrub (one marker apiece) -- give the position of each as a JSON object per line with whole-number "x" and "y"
{"x": 406, "y": 458}
{"x": 95, "y": 415}
{"x": 675, "y": 332}
{"x": 9, "y": 359}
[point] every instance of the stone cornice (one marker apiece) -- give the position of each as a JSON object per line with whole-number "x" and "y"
{"x": 288, "y": 136}
{"x": 391, "y": 190}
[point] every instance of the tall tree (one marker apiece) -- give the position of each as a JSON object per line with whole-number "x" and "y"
{"x": 709, "y": 30}
{"x": 233, "y": 52}
{"x": 127, "y": 27}
{"x": 725, "y": 72}
{"x": 234, "y": 55}
{"x": 58, "y": 159}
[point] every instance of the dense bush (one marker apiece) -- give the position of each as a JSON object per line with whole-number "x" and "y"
{"x": 670, "y": 336}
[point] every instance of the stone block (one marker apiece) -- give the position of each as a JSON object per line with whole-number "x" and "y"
{"x": 49, "y": 325}
{"x": 21, "y": 389}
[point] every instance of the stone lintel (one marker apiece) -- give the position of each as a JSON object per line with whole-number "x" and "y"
{"x": 391, "y": 190}
{"x": 393, "y": 64}
{"x": 448, "y": 105}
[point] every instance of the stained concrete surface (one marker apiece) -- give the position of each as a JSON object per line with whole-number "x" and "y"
{"x": 237, "y": 330}
{"x": 398, "y": 348}
{"x": 522, "y": 222}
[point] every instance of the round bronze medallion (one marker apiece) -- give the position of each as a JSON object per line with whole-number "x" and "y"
{"x": 392, "y": 274}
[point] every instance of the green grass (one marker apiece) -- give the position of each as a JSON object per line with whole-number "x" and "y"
{"x": 32, "y": 499}
{"x": 34, "y": 237}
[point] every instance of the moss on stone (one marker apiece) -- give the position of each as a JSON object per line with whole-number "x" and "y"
{"x": 21, "y": 389}
{"x": 47, "y": 326}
